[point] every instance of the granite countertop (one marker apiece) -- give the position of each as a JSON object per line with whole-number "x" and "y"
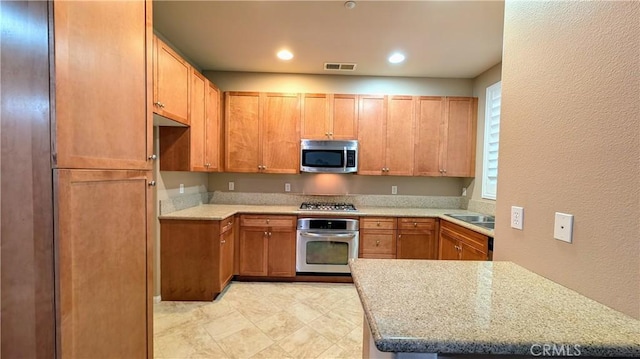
{"x": 222, "y": 211}
{"x": 472, "y": 307}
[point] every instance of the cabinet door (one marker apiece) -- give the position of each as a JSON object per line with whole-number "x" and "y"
{"x": 281, "y": 133}
{"x": 471, "y": 253}
{"x": 344, "y": 123}
{"x": 102, "y": 105}
{"x": 282, "y": 252}
{"x": 378, "y": 243}
{"x": 429, "y": 125}
{"x": 417, "y": 245}
{"x": 399, "y": 136}
{"x": 254, "y": 251}
{"x": 171, "y": 84}
{"x": 198, "y": 138}
{"x": 460, "y": 137}
{"x": 315, "y": 117}
{"x": 104, "y": 263}
{"x": 371, "y": 134}
{"x": 242, "y": 137}
{"x": 213, "y": 127}
{"x": 226, "y": 257}
{"x": 448, "y": 247}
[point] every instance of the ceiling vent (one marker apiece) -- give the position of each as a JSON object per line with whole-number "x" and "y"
{"x": 336, "y": 66}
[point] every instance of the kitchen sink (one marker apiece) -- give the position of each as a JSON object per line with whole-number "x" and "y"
{"x": 478, "y": 220}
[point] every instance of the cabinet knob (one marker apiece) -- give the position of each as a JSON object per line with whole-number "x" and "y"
{"x": 229, "y": 223}
{"x": 330, "y": 134}
{"x": 415, "y": 224}
{"x": 444, "y": 171}
{"x": 161, "y": 105}
{"x": 377, "y": 243}
{"x": 157, "y": 103}
{"x": 269, "y": 234}
{"x": 268, "y": 220}
{"x": 378, "y": 223}
{"x": 152, "y": 183}
{"x": 265, "y": 234}
{"x": 399, "y": 236}
{"x": 326, "y": 134}
{"x": 153, "y": 157}
{"x": 223, "y": 241}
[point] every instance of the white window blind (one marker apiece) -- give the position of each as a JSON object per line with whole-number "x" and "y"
{"x": 491, "y": 141}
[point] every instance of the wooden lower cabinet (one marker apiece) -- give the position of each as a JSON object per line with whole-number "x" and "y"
{"x": 417, "y": 238}
{"x": 104, "y": 257}
{"x": 196, "y": 258}
{"x": 267, "y": 246}
{"x": 459, "y": 243}
{"x": 377, "y": 237}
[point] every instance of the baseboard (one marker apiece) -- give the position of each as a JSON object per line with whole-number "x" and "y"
{"x": 157, "y": 299}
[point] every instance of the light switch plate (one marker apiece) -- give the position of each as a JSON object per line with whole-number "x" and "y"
{"x": 517, "y": 217}
{"x": 563, "y": 227}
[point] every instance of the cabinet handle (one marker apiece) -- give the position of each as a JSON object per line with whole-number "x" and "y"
{"x": 377, "y": 243}
{"x": 152, "y": 183}
{"x": 229, "y": 223}
{"x": 153, "y": 157}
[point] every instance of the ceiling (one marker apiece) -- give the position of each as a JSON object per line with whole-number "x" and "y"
{"x": 450, "y": 39}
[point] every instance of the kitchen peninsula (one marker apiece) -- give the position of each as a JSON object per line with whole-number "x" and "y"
{"x": 448, "y": 308}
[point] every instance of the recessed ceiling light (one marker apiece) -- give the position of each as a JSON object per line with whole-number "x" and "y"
{"x": 285, "y": 55}
{"x": 396, "y": 58}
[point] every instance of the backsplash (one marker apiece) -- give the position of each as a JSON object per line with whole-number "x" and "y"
{"x": 484, "y": 207}
{"x": 185, "y": 201}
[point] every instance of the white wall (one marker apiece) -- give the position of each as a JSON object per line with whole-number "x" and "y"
{"x": 570, "y": 142}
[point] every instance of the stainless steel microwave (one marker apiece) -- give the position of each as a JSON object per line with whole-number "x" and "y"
{"x": 332, "y": 156}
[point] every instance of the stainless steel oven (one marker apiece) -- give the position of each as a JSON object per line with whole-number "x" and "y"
{"x": 325, "y": 245}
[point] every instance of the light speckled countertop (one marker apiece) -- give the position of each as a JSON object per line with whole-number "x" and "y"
{"x": 469, "y": 307}
{"x": 222, "y": 211}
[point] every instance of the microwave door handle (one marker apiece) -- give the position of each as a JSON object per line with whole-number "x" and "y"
{"x": 345, "y": 158}
{"x": 328, "y": 235}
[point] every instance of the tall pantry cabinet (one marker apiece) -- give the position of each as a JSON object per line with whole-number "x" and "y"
{"x": 101, "y": 156}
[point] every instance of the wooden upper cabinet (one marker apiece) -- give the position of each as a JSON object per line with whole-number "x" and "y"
{"x": 281, "y": 133}
{"x": 197, "y": 147}
{"x": 198, "y": 135}
{"x": 315, "y": 116}
{"x": 170, "y": 83}
{"x": 371, "y": 134}
{"x": 262, "y": 132}
{"x": 329, "y": 117}
{"x": 445, "y": 136}
{"x": 399, "y": 137}
{"x": 242, "y": 131}
{"x": 344, "y": 111}
{"x": 459, "y": 153}
{"x": 213, "y": 130}
{"x": 428, "y": 131}
{"x": 102, "y": 103}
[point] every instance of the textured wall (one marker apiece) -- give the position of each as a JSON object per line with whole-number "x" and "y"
{"x": 570, "y": 142}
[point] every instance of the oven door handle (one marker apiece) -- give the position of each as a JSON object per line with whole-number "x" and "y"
{"x": 327, "y": 235}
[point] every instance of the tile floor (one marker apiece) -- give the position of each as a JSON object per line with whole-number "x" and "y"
{"x": 263, "y": 320}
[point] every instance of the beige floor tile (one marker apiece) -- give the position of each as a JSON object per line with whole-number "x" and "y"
{"x": 191, "y": 341}
{"x": 245, "y": 343}
{"x": 275, "y": 351}
{"x": 352, "y": 342}
{"x": 332, "y": 327}
{"x": 305, "y": 343}
{"x": 280, "y": 325}
{"x": 349, "y": 311}
{"x": 227, "y": 325}
{"x": 303, "y": 312}
{"x": 212, "y": 311}
{"x": 335, "y": 352}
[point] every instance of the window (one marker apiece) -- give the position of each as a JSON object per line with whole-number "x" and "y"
{"x": 491, "y": 141}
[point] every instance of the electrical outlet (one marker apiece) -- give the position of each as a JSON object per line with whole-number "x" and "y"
{"x": 287, "y": 187}
{"x": 181, "y": 187}
{"x": 394, "y": 189}
{"x": 517, "y": 217}
{"x": 464, "y": 191}
{"x": 563, "y": 227}
{"x": 232, "y": 186}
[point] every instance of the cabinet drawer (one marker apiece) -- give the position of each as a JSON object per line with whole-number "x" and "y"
{"x": 378, "y": 242}
{"x": 467, "y": 236}
{"x": 268, "y": 221}
{"x": 226, "y": 224}
{"x": 426, "y": 224}
{"x": 377, "y": 223}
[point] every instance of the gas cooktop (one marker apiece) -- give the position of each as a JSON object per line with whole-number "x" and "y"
{"x": 327, "y": 206}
